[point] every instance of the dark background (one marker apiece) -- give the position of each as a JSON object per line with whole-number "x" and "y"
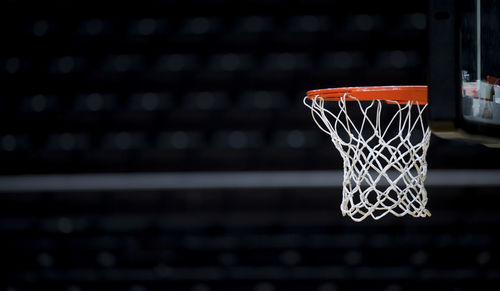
{"x": 216, "y": 86}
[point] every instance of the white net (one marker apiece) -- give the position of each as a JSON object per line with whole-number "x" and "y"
{"x": 383, "y": 154}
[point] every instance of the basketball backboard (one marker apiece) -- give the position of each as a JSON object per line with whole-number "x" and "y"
{"x": 464, "y": 69}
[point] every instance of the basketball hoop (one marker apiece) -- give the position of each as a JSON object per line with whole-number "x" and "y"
{"x": 383, "y": 154}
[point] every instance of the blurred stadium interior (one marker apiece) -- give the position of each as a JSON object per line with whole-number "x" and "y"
{"x": 162, "y": 145}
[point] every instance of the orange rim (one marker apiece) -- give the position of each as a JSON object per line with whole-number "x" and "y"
{"x": 399, "y": 94}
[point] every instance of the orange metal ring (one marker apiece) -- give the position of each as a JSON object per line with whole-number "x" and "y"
{"x": 400, "y": 94}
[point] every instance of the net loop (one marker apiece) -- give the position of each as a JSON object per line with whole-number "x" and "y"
{"x": 384, "y": 159}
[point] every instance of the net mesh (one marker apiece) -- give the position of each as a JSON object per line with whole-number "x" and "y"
{"x": 383, "y": 154}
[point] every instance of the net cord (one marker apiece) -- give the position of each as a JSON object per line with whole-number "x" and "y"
{"x": 360, "y": 158}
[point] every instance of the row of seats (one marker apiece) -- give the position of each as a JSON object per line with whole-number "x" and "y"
{"x": 99, "y": 234}
{"x": 266, "y": 285}
{"x": 217, "y": 62}
{"x": 180, "y": 150}
{"x": 201, "y": 25}
{"x": 166, "y": 140}
{"x": 153, "y": 101}
{"x": 179, "y": 258}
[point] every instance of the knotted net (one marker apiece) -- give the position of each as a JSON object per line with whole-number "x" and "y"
{"x": 383, "y": 154}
